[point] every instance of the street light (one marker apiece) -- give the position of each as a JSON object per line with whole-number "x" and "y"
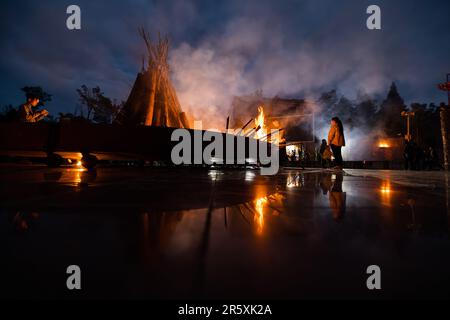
{"x": 408, "y": 115}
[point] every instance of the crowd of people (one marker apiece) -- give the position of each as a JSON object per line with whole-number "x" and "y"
{"x": 415, "y": 156}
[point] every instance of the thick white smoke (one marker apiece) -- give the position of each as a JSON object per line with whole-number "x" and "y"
{"x": 253, "y": 54}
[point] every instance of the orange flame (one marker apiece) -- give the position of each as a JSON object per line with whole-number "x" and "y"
{"x": 260, "y": 121}
{"x": 275, "y": 137}
{"x": 383, "y": 144}
{"x": 259, "y": 207}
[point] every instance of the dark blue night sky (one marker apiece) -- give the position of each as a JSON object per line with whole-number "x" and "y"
{"x": 223, "y": 48}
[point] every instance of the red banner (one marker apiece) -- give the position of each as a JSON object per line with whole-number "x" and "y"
{"x": 444, "y": 86}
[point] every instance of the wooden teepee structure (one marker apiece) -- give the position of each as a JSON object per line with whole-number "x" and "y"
{"x": 153, "y": 100}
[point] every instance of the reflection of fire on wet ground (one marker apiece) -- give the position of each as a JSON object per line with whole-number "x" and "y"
{"x": 385, "y": 192}
{"x": 259, "y": 209}
{"x": 295, "y": 180}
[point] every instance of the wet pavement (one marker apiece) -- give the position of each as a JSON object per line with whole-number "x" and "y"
{"x": 197, "y": 233}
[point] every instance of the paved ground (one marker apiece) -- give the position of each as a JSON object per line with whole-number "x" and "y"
{"x": 165, "y": 233}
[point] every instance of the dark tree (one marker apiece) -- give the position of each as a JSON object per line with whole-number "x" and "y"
{"x": 100, "y": 107}
{"x": 365, "y": 110}
{"x": 426, "y": 125}
{"x": 334, "y": 106}
{"x": 105, "y": 110}
{"x": 8, "y": 114}
{"x": 89, "y": 98}
{"x": 390, "y": 113}
{"x": 328, "y": 100}
{"x": 344, "y": 110}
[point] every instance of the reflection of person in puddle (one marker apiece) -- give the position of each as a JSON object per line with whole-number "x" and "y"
{"x": 333, "y": 184}
{"x": 325, "y": 183}
{"x": 337, "y": 197}
{"x": 22, "y": 221}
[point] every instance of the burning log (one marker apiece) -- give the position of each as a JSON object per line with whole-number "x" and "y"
{"x": 254, "y": 130}
{"x": 270, "y": 134}
{"x": 245, "y": 126}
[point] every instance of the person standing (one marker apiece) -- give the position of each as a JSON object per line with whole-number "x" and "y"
{"x": 336, "y": 141}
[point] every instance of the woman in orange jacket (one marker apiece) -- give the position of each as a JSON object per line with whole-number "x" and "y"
{"x": 336, "y": 140}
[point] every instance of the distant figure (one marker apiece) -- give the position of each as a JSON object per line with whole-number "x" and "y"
{"x": 408, "y": 155}
{"x": 420, "y": 158}
{"x": 412, "y": 154}
{"x": 430, "y": 159}
{"x": 336, "y": 140}
{"x": 325, "y": 154}
{"x": 26, "y": 112}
